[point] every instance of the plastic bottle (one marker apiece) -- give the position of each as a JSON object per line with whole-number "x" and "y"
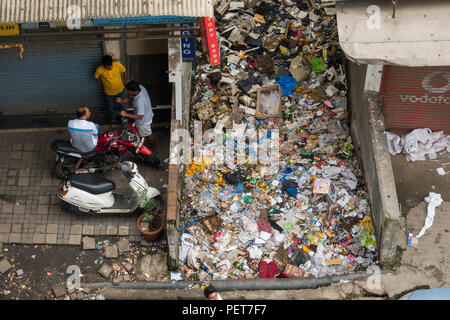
{"x": 207, "y": 269}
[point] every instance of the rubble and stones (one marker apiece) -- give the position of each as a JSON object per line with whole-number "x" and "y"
{"x": 59, "y": 291}
{"x": 111, "y": 252}
{"x": 311, "y": 216}
{"x": 4, "y": 266}
{"x": 105, "y": 270}
{"x": 88, "y": 243}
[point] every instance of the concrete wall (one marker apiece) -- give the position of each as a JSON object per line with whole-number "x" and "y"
{"x": 367, "y": 129}
{"x": 115, "y": 47}
{"x": 176, "y": 171}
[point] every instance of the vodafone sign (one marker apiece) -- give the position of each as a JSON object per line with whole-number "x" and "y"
{"x": 416, "y": 97}
{"x": 427, "y": 85}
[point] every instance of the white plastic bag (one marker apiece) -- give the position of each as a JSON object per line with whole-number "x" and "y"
{"x": 186, "y": 244}
{"x": 255, "y": 252}
{"x": 331, "y": 172}
{"x": 420, "y": 142}
{"x": 394, "y": 143}
{"x": 434, "y": 200}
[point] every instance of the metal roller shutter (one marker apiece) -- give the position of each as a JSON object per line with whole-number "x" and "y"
{"x": 416, "y": 97}
{"x": 58, "y": 76}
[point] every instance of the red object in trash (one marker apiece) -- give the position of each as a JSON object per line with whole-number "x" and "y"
{"x": 219, "y": 235}
{"x": 268, "y": 270}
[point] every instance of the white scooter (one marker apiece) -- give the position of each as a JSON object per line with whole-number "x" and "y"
{"x": 88, "y": 193}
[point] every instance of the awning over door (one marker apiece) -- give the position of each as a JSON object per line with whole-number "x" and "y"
{"x": 52, "y": 76}
{"x": 21, "y": 11}
{"x": 416, "y": 97}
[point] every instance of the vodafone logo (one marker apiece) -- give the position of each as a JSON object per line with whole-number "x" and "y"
{"x": 426, "y": 82}
{"x": 428, "y": 86}
{"x": 425, "y": 99}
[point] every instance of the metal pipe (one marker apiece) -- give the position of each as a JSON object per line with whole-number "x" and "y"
{"x": 100, "y": 31}
{"x": 100, "y": 39}
{"x": 241, "y": 284}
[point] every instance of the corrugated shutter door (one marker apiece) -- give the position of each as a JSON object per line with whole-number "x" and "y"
{"x": 416, "y": 97}
{"x": 57, "y": 76}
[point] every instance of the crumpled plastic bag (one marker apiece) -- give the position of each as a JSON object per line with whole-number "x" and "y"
{"x": 255, "y": 252}
{"x": 186, "y": 245}
{"x": 318, "y": 65}
{"x": 223, "y": 266}
{"x": 330, "y": 172}
{"x": 367, "y": 240}
{"x": 434, "y": 200}
{"x": 349, "y": 178}
{"x": 394, "y": 143}
{"x": 420, "y": 142}
{"x": 287, "y": 84}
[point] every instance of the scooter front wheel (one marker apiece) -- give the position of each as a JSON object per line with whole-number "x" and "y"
{"x": 150, "y": 159}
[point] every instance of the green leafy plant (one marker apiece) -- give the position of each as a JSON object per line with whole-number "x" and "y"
{"x": 150, "y": 208}
{"x": 152, "y": 205}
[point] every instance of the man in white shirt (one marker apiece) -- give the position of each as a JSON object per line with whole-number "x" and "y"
{"x": 83, "y": 134}
{"x": 142, "y": 108}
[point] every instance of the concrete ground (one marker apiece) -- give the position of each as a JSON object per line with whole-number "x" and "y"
{"x": 30, "y": 211}
{"x": 34, "y": 270}
{"x": 41, "y": 239}
{"x": 415, "y": 180}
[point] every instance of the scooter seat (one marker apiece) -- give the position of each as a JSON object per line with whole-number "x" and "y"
{"x": 92, "y": 183}
{"x": 64, "y": 147}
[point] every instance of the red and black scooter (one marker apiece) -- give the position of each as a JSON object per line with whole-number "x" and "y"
{"x": 111, "y": 145}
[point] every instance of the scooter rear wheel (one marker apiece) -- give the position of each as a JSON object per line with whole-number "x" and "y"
{"x": 63, "y": 172}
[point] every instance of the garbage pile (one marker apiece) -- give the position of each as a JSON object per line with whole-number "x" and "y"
{"x": 281, "y": 70}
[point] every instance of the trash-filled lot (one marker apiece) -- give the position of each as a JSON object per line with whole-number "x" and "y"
{"x": 281, "y": 74}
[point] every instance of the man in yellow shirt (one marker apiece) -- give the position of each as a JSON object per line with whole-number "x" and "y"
{"x": 109, "y": 74}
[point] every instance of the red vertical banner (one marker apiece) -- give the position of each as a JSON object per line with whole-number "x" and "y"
{"x": 209, "y": 40}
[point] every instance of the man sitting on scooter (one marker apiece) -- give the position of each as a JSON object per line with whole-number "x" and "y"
{"x": 142, "y": 108}
{"x": 83, "y": 134}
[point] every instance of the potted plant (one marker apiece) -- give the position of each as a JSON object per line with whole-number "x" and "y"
{"x": 151, "y": 223}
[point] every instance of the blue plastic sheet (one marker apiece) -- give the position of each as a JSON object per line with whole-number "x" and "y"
{"x": 287, "y": 84}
